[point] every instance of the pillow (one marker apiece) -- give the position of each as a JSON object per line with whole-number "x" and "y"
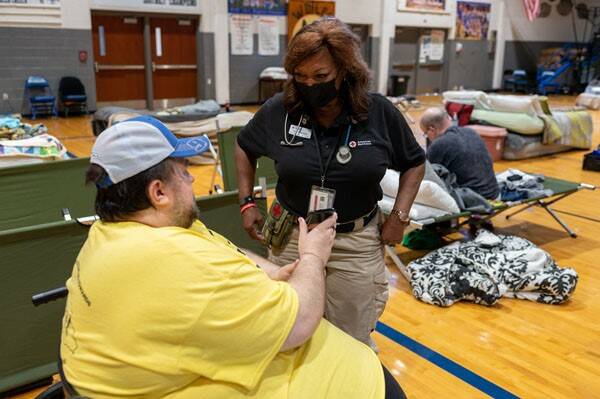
{"x": 430, "y": 194}
{"x": 529, "y": 105}
{"x": 389, "y": 183}
{"x": 472, "y": 97}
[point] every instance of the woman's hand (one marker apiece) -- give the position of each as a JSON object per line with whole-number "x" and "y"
{"x": 252, "y": 222}
{"x": 392, "y": 231}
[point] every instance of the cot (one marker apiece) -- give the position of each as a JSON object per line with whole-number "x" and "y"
{"x": 449, "y": 223}
{"x": 39, "y": 257}
{"x": 560, "y": 188}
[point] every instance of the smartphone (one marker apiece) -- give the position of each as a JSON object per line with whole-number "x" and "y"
{"x": 316, "y": 217}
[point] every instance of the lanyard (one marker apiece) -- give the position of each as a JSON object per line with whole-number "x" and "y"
{"x": 322, "y": 170}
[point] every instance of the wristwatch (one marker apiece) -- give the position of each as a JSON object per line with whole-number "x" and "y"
{"x": 402, "y": 216}
{"x": 247, "y": 200}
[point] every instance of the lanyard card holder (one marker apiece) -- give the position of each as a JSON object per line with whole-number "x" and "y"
{"x": 321, "y": 198}
{"x": 321, "y": 204}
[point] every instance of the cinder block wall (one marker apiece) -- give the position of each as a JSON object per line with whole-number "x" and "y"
{"x": 52, "y": 53}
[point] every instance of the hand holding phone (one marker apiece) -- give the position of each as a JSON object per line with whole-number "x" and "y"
{"x": 316, "y": 217}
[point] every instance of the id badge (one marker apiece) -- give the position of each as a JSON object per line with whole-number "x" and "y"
{"x": 300, "y": 131}
{"x": 321, "y": 198}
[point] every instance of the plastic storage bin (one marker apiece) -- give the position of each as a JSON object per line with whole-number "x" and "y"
{"x": 493, "y": 138}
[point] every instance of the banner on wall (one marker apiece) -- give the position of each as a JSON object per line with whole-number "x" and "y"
{"x": 142, "y": 3}
{"x": 32, "y": 2}
{"x": 472, "y": 20}
{"x": 303, "y": 12}
{"x": 264, "y": 7}
{"x": 242, "y": 34}
{"x": 425, "y": 4}
{"x": 268, "y": 36}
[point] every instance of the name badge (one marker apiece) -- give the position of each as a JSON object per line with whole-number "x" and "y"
{"x": 300, "y": 131}
{"x": 321, "y": 198}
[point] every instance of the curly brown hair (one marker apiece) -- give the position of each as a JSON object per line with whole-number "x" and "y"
{"x": 344, "y": 46}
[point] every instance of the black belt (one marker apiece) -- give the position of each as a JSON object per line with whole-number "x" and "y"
{"x": 356, "y": 224}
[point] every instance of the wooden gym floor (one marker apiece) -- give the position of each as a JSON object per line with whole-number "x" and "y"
{"x": 514, "y": 349}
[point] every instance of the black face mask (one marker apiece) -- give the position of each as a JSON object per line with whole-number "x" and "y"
{"x": 317, "y": 95}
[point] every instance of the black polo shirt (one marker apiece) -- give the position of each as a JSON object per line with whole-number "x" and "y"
{"x": 382, "y": 141}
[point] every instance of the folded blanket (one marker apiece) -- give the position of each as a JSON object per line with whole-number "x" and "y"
{"x": 473, "y": 97}
{"x": 9, "y": 122}
{"x": 44, "y": 146}
{"x": 519, "y": 146}
{"x": 572, "y": 128}
{"x": 11, "y": 128}
{"x": 201, "y": 110}
{"x": 277, "y": 73}
{"x": 516, "y": 122}
{"x": 530, "y": 105}
{"x": 588, "y": 100}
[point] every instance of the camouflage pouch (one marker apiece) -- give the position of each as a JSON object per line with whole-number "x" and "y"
{"x": 278, "y": 226}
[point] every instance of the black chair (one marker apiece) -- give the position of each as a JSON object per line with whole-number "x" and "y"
{"x": 71, "y": 94}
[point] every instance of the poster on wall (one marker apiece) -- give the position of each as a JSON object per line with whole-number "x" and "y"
{"x": 436, "y": 49}
{"x": 264, "y": 7}
{"x": 268, "y": 36}
{"x": 188, "y": 3}
{"x": 242, "y": 34}
{"x": 31, "y": 2}
{"x": 472, "y": 20}
{"x": 425, "y": 49}
{"x": 301, "y": 12}
{"x": 425, "y": 4}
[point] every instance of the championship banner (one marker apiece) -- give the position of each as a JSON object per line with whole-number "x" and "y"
{"x": 302, "y": 13}
{"x": 425, "y": 4}
{"x": 259, "y": 7}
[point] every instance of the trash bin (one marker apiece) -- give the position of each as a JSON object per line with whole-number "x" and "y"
{"x": 268, "y": 87}
{"x": 399, "y": 85}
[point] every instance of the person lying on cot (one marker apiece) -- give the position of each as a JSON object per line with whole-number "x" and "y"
{"x": 461, "y": 151}
{"x": 161, "y": 306}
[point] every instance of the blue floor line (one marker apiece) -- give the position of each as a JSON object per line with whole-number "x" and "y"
{"x": 485, "y": 386}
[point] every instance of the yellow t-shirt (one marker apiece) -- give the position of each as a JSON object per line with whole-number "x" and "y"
{"x": 182, "y": 313}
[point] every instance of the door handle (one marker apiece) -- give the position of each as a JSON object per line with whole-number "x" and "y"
{"x": 153, "y": 67}
{"x": 116, "y": 67}
{"x": 173, "y": 66}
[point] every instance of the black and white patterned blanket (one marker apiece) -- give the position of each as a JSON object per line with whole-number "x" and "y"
{"x": 487, "y": 268}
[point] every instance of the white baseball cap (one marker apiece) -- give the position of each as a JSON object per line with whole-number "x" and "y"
{"x": 137, "y": 144}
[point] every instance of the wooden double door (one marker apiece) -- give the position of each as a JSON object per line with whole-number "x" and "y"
{"x": 145, "y": 61}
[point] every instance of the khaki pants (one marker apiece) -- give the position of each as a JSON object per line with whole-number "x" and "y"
{"x": 356, "y": 284}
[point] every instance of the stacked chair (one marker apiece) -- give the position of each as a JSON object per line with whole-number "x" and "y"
{"x": 39, "y": 96}
{"x": 71, "y": 94}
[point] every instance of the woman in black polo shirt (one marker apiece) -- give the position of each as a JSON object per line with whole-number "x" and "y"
{"x": 332, "y": 141}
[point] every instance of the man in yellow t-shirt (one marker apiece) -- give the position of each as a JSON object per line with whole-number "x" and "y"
{"x": 161, "y": 306}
